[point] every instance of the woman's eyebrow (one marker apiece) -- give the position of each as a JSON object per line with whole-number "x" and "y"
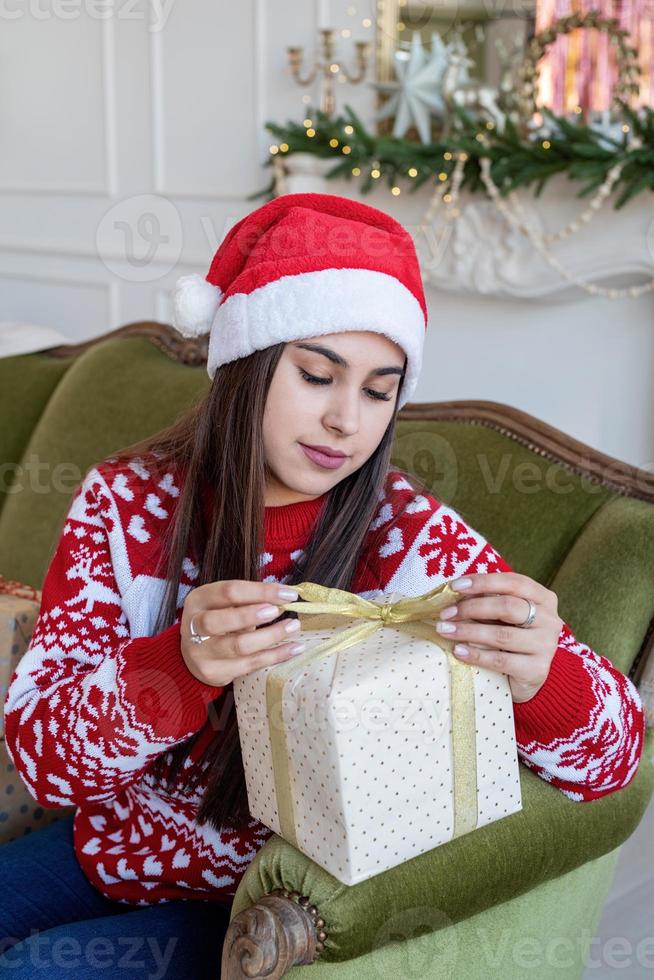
{"x": 337, "y": 359}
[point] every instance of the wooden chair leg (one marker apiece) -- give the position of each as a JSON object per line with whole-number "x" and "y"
{"x": 282, "y": 930}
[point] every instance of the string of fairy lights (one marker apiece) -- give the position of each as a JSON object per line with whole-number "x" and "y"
{"x": 445, "y": 200}
{"x": 627, "y": 84}
{"x": 375, "y": 171}
{"x": 344, "y": 147}
{"x": 336, "y": 136}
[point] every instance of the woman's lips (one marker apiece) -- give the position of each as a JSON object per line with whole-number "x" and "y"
{"x": 322, "y": 459}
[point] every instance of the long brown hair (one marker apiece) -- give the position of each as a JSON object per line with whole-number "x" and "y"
{"x": 220, "y": 441}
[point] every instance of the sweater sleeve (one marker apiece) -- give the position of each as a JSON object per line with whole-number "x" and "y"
{"x": 89, "y": 707}
{"x": 584, "y": 730}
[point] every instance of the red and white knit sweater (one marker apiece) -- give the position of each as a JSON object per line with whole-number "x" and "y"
{"x": 96, "y": 697}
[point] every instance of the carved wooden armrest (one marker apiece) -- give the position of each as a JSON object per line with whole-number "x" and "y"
{"x": 281, "y": 931}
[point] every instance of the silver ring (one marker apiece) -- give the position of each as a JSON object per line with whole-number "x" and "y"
{"x": 531, "y": 616}
{"x": 196, "y": 637}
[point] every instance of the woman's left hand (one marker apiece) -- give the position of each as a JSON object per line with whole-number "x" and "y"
{"x": 481, "y": 616}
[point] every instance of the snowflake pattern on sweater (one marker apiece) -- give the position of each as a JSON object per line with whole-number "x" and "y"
{"x": 97, "y": 697}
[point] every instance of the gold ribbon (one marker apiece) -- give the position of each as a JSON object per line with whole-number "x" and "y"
{"x": 409, "y": 615}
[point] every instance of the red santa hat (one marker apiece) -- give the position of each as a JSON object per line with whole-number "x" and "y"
{"x": 305, "y": 265}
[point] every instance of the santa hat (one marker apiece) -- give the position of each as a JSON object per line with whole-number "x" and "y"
{"x": 305, "y": 265}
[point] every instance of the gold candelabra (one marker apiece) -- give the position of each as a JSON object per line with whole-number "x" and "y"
{"x": 329, "y": 68}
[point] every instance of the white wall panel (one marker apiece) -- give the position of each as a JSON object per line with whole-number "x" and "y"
{"x": 130, "y": 146}
{"x": 56, "y": 78}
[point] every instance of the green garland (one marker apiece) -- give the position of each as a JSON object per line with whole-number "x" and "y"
{"x": 574, "y": 148}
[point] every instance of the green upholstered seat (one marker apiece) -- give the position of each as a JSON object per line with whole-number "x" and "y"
{"x": 111, "y": 396}
{"x": 581, "y": 536}
{"x": 550, "y": 836}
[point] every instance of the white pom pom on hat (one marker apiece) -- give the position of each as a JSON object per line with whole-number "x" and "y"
{"x": 195, "y": 301}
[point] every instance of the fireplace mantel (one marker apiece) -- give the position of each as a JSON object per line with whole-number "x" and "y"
{"x": 503, "y": 325}
{"x": 480, "y": 253}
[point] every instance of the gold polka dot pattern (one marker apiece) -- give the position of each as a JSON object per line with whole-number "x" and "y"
{"x": 370, "y": 738}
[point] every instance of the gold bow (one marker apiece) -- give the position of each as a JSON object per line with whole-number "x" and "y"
{"x": 409, "y": 615}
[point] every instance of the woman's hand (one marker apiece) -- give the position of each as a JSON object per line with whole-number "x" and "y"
{"x": 229, "y": 613}
{"x": 491, "y": 602}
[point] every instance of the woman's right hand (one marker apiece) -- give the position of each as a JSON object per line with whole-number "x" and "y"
{"x": 229, "y": 612}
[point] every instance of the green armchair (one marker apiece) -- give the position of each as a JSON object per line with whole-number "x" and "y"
{"x": 522, "y": 895}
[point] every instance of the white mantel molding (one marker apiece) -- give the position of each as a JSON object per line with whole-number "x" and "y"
{"x": 480, "y": 254}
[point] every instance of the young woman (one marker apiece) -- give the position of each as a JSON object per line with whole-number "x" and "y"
{"x": 166, "y": 583}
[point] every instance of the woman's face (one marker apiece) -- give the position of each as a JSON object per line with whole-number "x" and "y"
{"x": 337, "y": 391}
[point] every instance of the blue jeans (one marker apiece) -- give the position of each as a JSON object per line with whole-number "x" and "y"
{"x": 54, "y": 923}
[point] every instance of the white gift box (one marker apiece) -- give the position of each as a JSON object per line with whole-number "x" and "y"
{"x": 19, "y": 610}
{"x": 367, "y": 757}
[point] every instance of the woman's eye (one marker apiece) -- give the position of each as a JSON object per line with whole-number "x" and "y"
{"x": 314, "y": 380}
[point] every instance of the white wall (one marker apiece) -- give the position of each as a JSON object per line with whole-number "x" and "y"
{"x": 129, "y": 147}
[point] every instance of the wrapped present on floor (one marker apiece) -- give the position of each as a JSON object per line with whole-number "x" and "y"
{"x": 20, "y": 813}
{"x": 376, "y": 744}
{"x": 19, "y": 609}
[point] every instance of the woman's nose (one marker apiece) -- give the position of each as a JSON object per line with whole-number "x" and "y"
{"x": 343, "y": 414}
